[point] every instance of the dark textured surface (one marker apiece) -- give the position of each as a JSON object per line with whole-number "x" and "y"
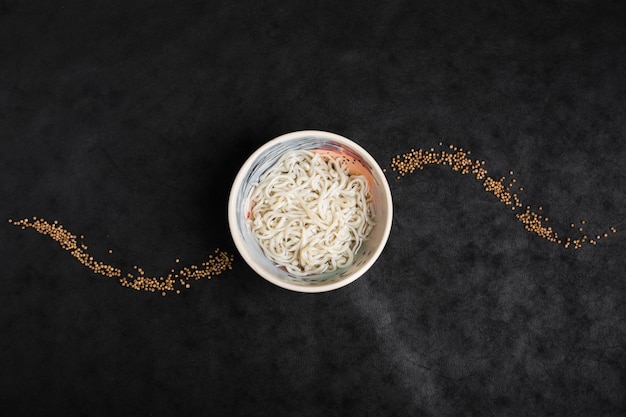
{"x": 127, "y": 122}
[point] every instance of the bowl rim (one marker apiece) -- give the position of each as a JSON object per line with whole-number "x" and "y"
{"x": 240, "y": 244}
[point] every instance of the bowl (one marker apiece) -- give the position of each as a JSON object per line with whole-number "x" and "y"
{"x": 359, "y": 161}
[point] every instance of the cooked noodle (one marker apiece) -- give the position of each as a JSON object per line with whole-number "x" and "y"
{"x": 309, "y": 214}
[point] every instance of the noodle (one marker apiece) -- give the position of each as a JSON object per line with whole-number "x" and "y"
{"x": 309, "y": 214}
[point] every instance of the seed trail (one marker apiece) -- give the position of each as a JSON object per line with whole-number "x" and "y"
{"x": 174, "y": 281}
{"x": 458, "y": 160}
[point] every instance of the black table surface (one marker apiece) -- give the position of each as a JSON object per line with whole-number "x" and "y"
{"x": 127, "y": 122}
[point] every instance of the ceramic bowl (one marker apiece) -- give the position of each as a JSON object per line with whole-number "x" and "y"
{"x": 359, "y": 161}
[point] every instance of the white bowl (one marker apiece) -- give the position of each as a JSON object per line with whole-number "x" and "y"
{"x": 264, "y": 158}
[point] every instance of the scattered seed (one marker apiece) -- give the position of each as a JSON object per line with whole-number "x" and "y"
{"x": 218, "y": 262}
{"x": 459, "y": 161}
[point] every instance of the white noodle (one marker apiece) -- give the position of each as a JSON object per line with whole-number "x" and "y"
{"x": 309, "y": 214}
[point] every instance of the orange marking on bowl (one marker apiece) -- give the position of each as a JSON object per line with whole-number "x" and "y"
{"x": 353, "y": 162}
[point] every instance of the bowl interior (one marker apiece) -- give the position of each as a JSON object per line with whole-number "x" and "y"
{"x": 358, "y": 161}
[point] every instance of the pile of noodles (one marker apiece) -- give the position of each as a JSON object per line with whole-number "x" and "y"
{"x": 309, "y": 214}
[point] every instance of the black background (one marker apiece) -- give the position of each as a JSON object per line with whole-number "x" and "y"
{"x": 127, "y": 122}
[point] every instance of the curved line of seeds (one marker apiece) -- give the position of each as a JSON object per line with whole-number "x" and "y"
{"x": 459, "y": 160}
{"x": 173, "y": 282}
